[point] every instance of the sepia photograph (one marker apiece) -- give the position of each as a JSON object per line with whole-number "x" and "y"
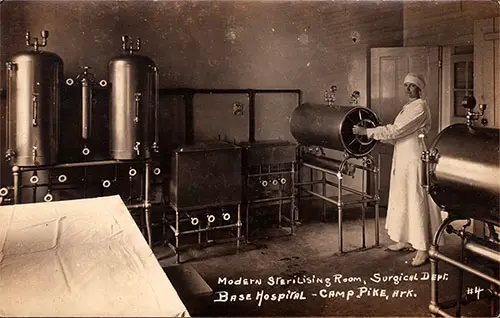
{"x": 244, "y": 158}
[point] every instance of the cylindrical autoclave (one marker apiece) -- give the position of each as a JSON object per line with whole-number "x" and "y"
{"x": 466, "y": 173}
{"x": 134, "y": 104}
{"x": 34, "y": 80}
{"x": 331, "y": 127}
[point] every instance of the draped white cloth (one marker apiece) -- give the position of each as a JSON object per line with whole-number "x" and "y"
{"x": 83, "y": 258}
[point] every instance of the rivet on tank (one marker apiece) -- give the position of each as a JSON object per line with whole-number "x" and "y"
{"x": 34, "y": 81}
{"x": 134, "y": 104}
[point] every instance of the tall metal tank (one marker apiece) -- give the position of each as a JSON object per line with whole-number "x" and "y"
{"x": 34, "y": 80}
{"x": 331, "y": 127}
{"x": 465, "y": 178}
{"x": 134, "y": 104}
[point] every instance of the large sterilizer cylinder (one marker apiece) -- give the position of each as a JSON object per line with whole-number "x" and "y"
{"x": 133, "y": 108}
{"x": 465, "y": 177}
{"x": 34, "y": 80}
{"x": 331, "y": 127}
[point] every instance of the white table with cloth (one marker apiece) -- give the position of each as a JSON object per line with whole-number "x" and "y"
{"x": 80, "y": 258}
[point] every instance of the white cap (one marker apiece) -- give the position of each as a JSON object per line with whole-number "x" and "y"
{"x": 415, "y": 79}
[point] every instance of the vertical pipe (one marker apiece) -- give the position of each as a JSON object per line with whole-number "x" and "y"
{"x": 34, "y": 189}
{"x": 177, "y": 256}
{"x": 251, "y": 116}
{"x": 280, "y": 202}
{"x": 189, "y": 118}
{"x": 460, "y": 278}
{"x": 377, "y": 202}
{"x": 323, "y": 179}
{"x": 247, "y": 202}
{"x": 363, "y": 206}
{"x": 238, "y": 231}
{"x": 299, "y": 180}
{"x": 147, "y": 204}
{"x": 339, "y": 207}
{"x": 157, "y": 110}
{"x": 292, "y": 201}
{"x": 86, "y": 100}
{"x": 8, "y": 134}
{"x": 16, "y": 174}
{"x": 434, "y": 272}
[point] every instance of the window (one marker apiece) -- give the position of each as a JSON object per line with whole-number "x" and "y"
{"x": 462, "y": 80}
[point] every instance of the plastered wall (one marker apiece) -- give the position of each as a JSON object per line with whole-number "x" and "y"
{"x": 228, "y": 44}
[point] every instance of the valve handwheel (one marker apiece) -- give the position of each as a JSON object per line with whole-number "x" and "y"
{"x": 359, "y": 145}
{"x": 364, "y": 139}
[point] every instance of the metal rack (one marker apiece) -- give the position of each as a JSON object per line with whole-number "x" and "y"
{"x": 44, "y": 171}
{"x": 203, "y": 224}
{"x": 270, "y": 181}
{"x": 339, "y": 168}
{"x": 487, "y": 248}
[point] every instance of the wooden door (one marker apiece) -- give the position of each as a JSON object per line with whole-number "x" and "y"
{"x": 486, "y": 79}
{"x": 487, "y": 68}
{"x": 389, "y": 67}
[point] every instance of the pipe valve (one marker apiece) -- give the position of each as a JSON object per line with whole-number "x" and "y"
{"x": 128, "y": 44}
{"x": 469, "y": 102}
{"x": 330, "y": 95}
{"x": 34, "y": 152}
{"x": 3, "y": 192}
{"x": 35, "y": 44}
{"x": 211, "y": 218}
{"x": 195, "y": 221}
{"x": 10, "y": 154}
{"x": 62, "y": 178}
{"x": 48, "y": 197}
{"x": 136, "y": 147}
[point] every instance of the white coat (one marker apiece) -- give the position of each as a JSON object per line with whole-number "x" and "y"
{"x": 412, "y": 216}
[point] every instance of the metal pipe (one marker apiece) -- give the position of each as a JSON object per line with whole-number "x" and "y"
{"x": 346, "y": 203}
{"x": 284, "y": 198}
{"x": 10, "y": 68}
{"x": 437, "y": 255}
{"x": 86, "y": 112}
{"x": 323, "y": 181}
{"x": 251, "y": 116}
{"x": 268, "y": 174}
{"x": 238, "y": 230}
{"x": 292, "y": 203}
{"x": 435, "y": 310}
{"x": 377, "y": 203}
{"x": 147, "y": 204}
{"x": 339, "y": 207}
{"x": 218, "y": 227}
{"x": 320, "y": 196}
{"x": 177, "y": 233}
{"x": 434, "y": 272}
{"x": 157, "y": 110}
{"x": 80, "y": 164}
{"x": 142, "y": 205}
{"x": 349, "y": 189}
{"x": 308, "y": 183}
{"x": 484, "y": 251}
{"x": 363, "y": 208}
{"x": 16, "y": 174}
{"x": 336, "y": 185}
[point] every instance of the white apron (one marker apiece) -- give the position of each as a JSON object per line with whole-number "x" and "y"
{"x": 412, "y": 215}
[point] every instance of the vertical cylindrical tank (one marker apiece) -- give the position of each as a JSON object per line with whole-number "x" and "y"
{"x": 132, "y": 121}
{"x": 34, "y": 80}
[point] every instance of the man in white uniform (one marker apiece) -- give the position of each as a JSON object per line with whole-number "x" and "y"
{"x": 412, "y": 216}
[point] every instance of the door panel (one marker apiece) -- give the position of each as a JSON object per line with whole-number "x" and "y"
{"x": 486, "y": 66}
{"x": 389, "y": 67}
